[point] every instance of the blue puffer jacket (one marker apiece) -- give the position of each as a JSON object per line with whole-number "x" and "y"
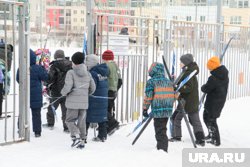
{"x": 37, "y": 75}
{"x": 98, "y": 107}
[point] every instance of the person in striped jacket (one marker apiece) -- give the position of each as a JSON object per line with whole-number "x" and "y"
{"x": 159, "y": 95}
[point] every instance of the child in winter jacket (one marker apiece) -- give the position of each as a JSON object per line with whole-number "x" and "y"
{"x": 78, "y": 85}
{"x": 159, "y": 94}
{"x": 57, "y": 73}
{"x": 37, "y": 75}
{"x": 114, "y": 81}
{"x": 216, "y": 89}
{"x": 189, "y": 97}
{"x": 98, "y": 103}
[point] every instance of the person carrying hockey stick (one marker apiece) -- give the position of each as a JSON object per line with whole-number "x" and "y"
{"x": 77, "y": 101}
{"x": 159, "y": 94}
{"x": 216, "y": 89}
{"x": 189, "y": 100}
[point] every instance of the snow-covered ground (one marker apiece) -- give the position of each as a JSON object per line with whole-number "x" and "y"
{"x": 53, "y": 148}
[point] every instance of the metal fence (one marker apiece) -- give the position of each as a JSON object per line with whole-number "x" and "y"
{"x": 15, "y": 95}
{"x": 200, "y": 39}
{"x": 156, "y": 37}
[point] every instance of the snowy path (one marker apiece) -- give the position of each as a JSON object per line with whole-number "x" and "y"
{"x": 53, "y": 148}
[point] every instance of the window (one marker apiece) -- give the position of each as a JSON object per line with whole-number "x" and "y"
{"x": 61, "y": 12}
{"x": 75, "y": 19}
{"x": 235, "y": 20}
{"x": 61, "y": 20}
{"x": 82, "y": 11}
{"x": 74, "y": 27}
{"x": 75, "y": 11}
{"x": 82, "y": 19}
{"x": 188, "y": 18}
{"x": 175, "y": 17}
{"x": 240, "y": 4}
{"x": 245, "y": 4}
{"x": 202, "y": 18}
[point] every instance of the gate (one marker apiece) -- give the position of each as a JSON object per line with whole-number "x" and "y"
{"x": 14, "y": 49}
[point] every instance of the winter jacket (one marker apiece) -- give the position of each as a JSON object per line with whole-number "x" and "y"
{"x": 9, "y": 55}
{"x": 114, "y": 75}
{"x": 57, "y": 74}
{"x": 98, "y": 107}
{"x": 159, "y": 93}
{"x": 189, "y": 92}
{"x": 216, "y": 89}
{"x": 37, "y": 75}
{"x": 6, "y": 74}
{"x": 78, "y": 85}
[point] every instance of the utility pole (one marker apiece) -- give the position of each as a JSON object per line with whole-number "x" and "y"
{"x": 90, "y": 25}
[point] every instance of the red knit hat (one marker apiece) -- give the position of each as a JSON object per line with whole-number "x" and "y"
{"x": 108, "y": 55}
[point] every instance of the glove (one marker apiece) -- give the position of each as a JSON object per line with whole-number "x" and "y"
{"x": 145, "y": 113}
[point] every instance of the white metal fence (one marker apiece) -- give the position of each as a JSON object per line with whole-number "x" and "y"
{"x": 15, "y": 32}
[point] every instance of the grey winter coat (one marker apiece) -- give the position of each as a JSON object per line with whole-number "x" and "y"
{"x": 78, "y": 86}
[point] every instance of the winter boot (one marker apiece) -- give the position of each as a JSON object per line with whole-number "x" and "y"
{"x": 200, "y": 139}
{"x": 98, "y": 139}
{"x": 175, "y": 139}
{"x": 81, "y": 144}
{"x": 75, "y": 140}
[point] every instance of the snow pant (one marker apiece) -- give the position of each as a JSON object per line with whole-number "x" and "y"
{"x": 76, "y": 122}
{"x": 51, "y": 115}
{"x": 102, "y": 129}
{"x": 112, "y": 122}
{"x": 36, "y": 120}
{"x": 211, "y": 124}
{"x": 160, "y": 125}
{"x": 1, "y": 98}
{"x": 194, "y": 120}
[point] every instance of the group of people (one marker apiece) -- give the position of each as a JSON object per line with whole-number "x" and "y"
{"x": 85, "y": 90}
{"x": 160, "y": 96}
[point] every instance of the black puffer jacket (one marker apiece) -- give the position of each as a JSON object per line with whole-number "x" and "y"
{"x": 57, "y": 74}
{"x": 216, "y": 89}
{"x": 189, "y": 92}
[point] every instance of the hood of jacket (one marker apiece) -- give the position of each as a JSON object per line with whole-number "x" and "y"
{"x": 101, "y": 69}
{"x": 220, "y": 72}
{"x": 80, "y": 70}
{"x": 156, "y": 70}
{"x": 32, "y": 57}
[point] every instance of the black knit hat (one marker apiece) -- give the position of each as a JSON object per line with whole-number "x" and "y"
{"x": 187, "y": 59}
{"x": 78, "y": 58}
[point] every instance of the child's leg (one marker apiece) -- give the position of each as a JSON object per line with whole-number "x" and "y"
{"x": 36, "y": 120}
{"x": 194, "y": 120}
{"x": 102, "y": 133}
{"x": 214, "y": 130}
{"x": 160, "y": 125}
{"x": 81, "y": 123}
{"x": 71, "y": 117}
{"x": 64, "y": 111}
{"x": 177, "y": 124}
